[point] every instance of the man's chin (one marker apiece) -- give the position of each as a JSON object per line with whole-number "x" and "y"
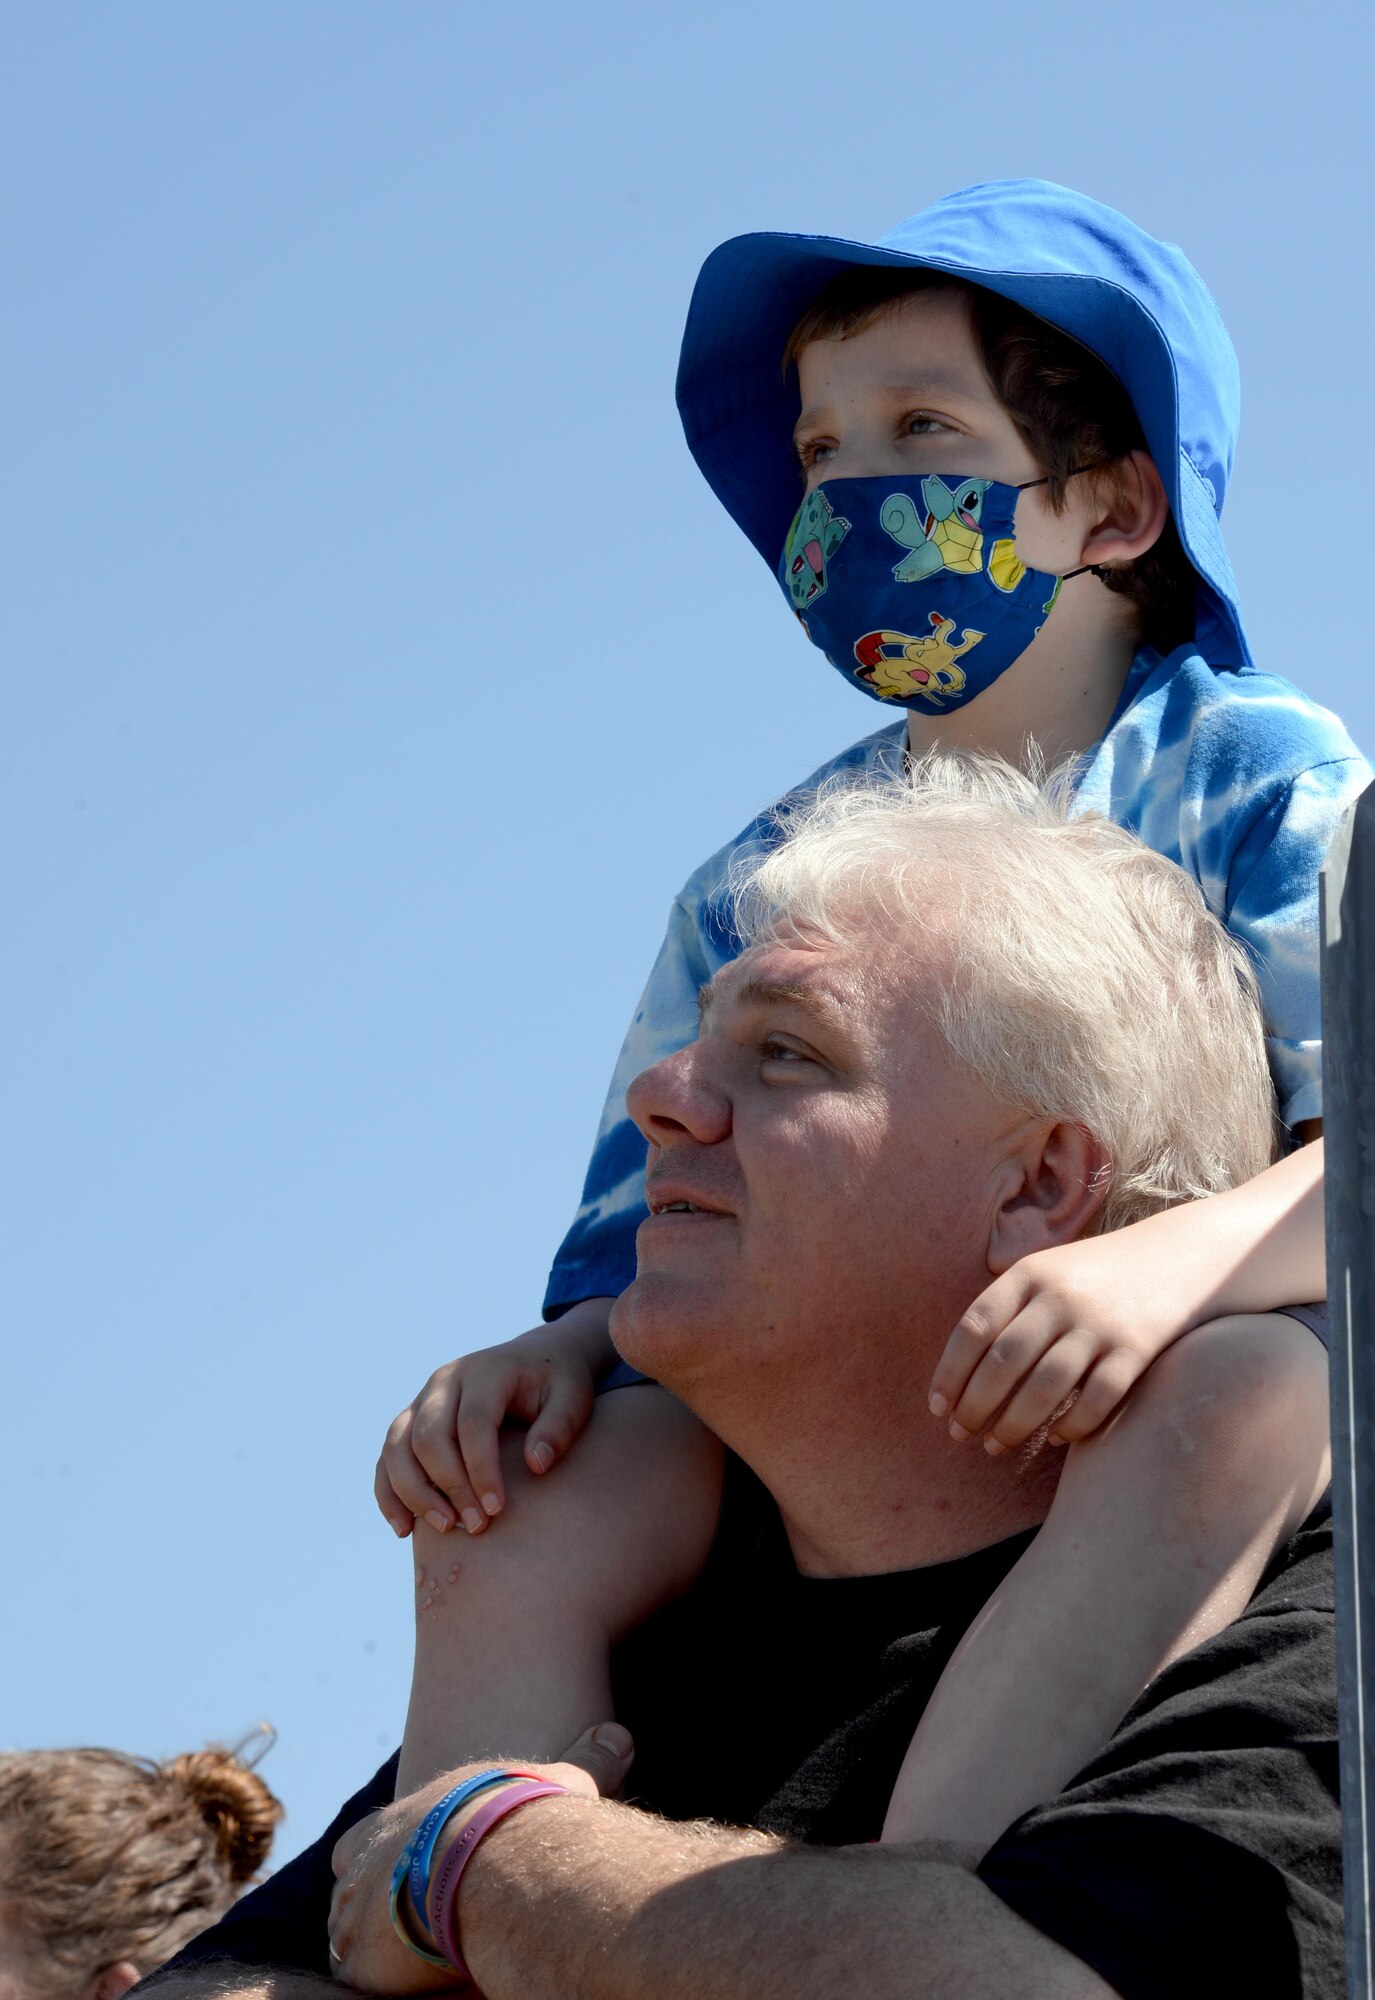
{"x": 663, "y": 1325}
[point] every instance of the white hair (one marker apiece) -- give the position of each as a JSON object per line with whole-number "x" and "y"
{"x": 1085, "y": 978}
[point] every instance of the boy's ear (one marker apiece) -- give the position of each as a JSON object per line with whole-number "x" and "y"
{"x": 1052, "y": 1190}
{"x": 1129, "y": 513}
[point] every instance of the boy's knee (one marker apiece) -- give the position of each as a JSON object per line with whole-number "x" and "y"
{"x": 457, "y": 1563}
{"x": 1248, "y": 1388}
{"x": 1252, "y": 1361}
{"x": 623, "y": 1521}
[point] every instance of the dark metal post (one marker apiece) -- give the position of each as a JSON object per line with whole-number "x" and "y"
{"x": 1348, "y": 1018}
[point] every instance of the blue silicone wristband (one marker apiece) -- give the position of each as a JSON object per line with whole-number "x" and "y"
{"x": 415, "y": 1858}
{"x": 426, "y": 1835}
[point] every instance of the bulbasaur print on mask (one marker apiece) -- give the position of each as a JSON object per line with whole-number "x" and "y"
{"x": 912, "y": 588}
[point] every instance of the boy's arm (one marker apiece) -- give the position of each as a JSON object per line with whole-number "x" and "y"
{"x": 1087, "y": 1319}
{"x": 1267, "y": 1236}
{"x": 597, "y": 1256}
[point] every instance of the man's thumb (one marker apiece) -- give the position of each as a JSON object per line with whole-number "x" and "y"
{"x": 606, "y": 1754}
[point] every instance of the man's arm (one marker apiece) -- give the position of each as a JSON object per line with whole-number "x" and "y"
{"x": 573, "y": 1895}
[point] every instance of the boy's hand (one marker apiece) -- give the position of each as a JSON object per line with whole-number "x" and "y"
{"x": 1083, "y": 1320}
{"x": 441, "y": 1460}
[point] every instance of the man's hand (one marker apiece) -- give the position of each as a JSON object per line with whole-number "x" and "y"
{"x": 441, "y": 1461}
{"x": 364, "y": 1948}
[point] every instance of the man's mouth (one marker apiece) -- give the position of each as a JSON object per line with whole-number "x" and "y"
{"x": 666, "y": 1201}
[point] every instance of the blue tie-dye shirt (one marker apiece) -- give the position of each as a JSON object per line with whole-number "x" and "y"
{"x": 1233, "y": 774}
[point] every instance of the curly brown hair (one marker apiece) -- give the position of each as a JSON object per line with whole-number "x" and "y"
{"x": 1070, "y": 408}
{"x": 106, "y": 1857}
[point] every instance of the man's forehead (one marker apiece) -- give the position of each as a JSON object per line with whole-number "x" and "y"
{"x": 825, "y": 977}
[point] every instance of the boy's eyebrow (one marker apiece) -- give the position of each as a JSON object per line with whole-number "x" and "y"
{"x": 938, "y": 382}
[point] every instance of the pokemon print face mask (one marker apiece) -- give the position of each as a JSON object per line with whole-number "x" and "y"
{"x": 912, "y": 588}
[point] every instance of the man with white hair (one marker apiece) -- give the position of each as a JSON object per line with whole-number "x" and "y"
{"x": 966, "y": 1029}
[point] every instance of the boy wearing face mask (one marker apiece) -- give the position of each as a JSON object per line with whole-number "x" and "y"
{"x": 1013, "y": 421}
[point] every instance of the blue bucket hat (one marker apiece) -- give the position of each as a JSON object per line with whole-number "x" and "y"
{"x": 1136, "y": 303}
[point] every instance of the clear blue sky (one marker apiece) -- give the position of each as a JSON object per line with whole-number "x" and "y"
{"x": 377, "y": 664}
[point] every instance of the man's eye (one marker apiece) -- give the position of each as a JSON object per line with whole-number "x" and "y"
{"x": 774, "y": 1051}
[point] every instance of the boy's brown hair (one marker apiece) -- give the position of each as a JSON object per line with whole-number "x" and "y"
{"x": 1071, "y": 410}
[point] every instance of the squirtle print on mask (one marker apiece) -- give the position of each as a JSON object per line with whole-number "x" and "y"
{"x": 899, "y": 667}
{"x": 959, "y": 573}
{"x": 947, "y": 534}
{"x": 814, "y": 537}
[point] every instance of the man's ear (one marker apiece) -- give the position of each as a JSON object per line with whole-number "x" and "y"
{"x": 1131, "y": 515}
{"x": 1053, "y": 1189}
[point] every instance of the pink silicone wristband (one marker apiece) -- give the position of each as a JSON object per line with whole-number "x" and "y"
{"x": 444, "y": 1901}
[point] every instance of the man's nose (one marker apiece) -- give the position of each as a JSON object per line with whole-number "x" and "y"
{"x": 676, "y": 1099}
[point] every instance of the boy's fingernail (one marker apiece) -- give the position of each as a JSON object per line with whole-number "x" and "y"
{"x": 993, "y": 1448}
{"x": 543, "y": 1454}
{"x": 399, "y": 1528}
{"x": 959, "y": 1433}
{"x": 439, "y": 1522}
{"x": 939, "y": 1406}
{"x": 490, "y": 1504}
{"x": 473, "y": 1521}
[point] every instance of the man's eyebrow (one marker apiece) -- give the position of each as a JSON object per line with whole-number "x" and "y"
{"x": 773, "y": 992}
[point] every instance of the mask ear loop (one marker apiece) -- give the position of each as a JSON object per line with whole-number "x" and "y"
{"x": 1085, "y": 569}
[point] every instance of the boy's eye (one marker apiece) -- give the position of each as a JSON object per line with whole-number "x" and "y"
{"x": 811, "y": 451}
{"x": 921, "y": 424}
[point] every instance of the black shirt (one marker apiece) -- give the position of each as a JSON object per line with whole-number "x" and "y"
{"x": 1198, "y": 1855}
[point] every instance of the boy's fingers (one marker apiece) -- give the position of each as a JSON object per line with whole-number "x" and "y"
{"x": 478, "y": 1431}
{"x": 395, "y": 1512}
{"x": 1013, "y": 1355}
{"x": 399, "y": 1470}
{"x": 1056, "y": 1375}
{"x": 962, "y": 1354}
{"x": 558, "y": 1423}
{"x": 974, "y": 1334}
{"x": 1107, "y": 1384}
{"x": 434, "y": 1446}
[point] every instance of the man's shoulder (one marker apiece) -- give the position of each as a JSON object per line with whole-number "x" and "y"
{"x": 1200, "y": 1852}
